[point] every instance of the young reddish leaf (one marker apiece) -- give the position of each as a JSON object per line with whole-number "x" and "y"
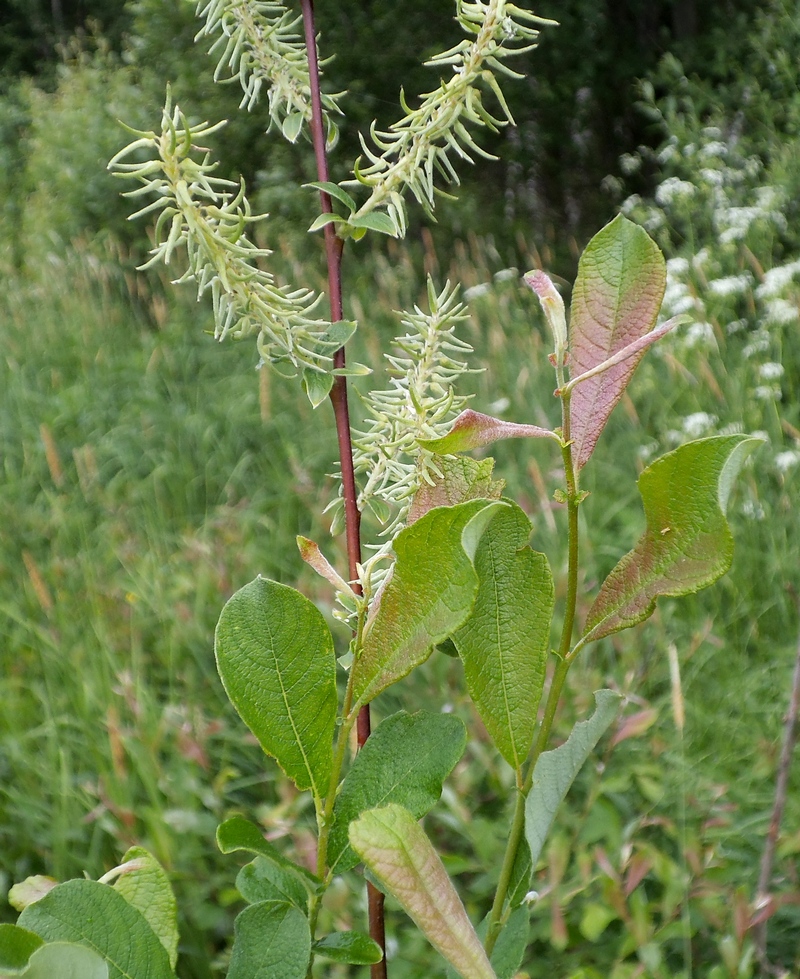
{"x": 504, "y": 642}
{"x": 396, "y": 850}
{"x": 553, "y": 306}
{"x": 462, "y": 479}
{"x": 471, "y": 430}
{"x": 428, "y": 596}
{"x": 314, "y": 558}
{"x": 687, "y": 544}
{"x": 616, "y": 299}
{"x": 636, "y": 347}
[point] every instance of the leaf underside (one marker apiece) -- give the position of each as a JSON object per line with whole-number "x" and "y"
{"x": 555, "y": 771}
{"x": 462, "y": 479}
{"x": 396, "y": 850}
{"x": 148, "y": 889}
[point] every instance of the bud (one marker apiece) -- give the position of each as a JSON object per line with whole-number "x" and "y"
{"x": 553, "y": 306}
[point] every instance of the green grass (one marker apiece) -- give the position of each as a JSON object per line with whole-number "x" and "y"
{"x": 147, "y": 472}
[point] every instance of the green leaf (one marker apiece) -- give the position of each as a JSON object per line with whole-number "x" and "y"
{"x": 509, "y": 949}
{"x": 335, "y": 191}
{"x": 615, "y": 301}
{"x": 322, "y": 219}
{"x": 471, "y": 430}
{"x": 426, "y": 598}
{"x": 272, "y": 940}
{"x": 262, "y": 880}
{"x": 63, "y": 960}
{"x": 29, "y": 890}
{"x": 504, "y": 643}
{"x": 555, "y": 771}
{"x": 595, "y": 919}
{"x": 335, "y": 336}
{"x": 276, "y": 660}
{"x": 16, "y": 947}
{"x": 292, "y": 126}
{"x": 396, "y": 850}
{"x": 687, "y": 544}
{"x": 349, "y": 946}
{"x": 353, "y": 369}
{"x": 462, "y": 479}
{"x": 317, "y": 385}
{"x": 405, "y": 760}
{"x": 375, "y": 221}
{"x": 238, "y": 833}
{"x": 85, "y": 912}
{"x": 145, "y": 886}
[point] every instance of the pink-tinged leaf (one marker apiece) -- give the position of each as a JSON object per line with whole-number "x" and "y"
{"x": 633, "y": 348}
{"x": 471, "y": 430}
{"x": 634, "y": 724}
{"x": 616, "y": 299}
{"x": 396, "y": 850}
{"x": 687, "y": 544}
{"x": 429, "y": 594}
{"x": 553, "y": 307}
{"x": 314, "y": 558}
{"x": 461, "y": 479}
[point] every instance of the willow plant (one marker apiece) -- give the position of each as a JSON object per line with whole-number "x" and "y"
{"x": 453, "y": 567}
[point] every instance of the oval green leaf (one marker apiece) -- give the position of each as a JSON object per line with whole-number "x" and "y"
{"x": 405, "y": 760}
{"x": 349, "y": 946}
{"x": 238, "y": 833}
{"x": 271, "y": 941}
{"x": 85, "y": 912}
{"x": 63, "y": 960}
{"x": 276, "y": 659}
{"x": 16, "y": 947}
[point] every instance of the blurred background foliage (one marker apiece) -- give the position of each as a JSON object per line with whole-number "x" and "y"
{"x": 147, "y": 472}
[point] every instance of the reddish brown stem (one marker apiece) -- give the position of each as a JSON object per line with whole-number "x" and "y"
{"x": 333, "y": 253}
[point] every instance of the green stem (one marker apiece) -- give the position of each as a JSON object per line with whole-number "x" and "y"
{"x": 556, "y": 685}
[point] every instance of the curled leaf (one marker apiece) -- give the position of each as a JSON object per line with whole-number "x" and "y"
{"x": 471, "y": 430}
{"x": 687, "y": 544}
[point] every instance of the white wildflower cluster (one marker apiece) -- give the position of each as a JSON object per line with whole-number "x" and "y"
{"x": 260, "y": 44}
{"x": 421, "y": 146}
{"x": 714, "y": 198}
{"x": 209, "y": 217}
{"x": 419, "y": 403}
